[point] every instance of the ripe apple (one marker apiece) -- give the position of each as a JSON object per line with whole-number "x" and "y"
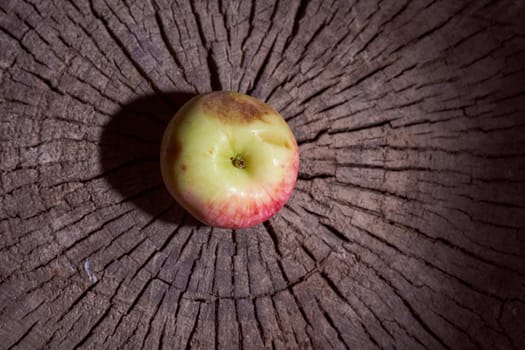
{"x": 229, "y": 159}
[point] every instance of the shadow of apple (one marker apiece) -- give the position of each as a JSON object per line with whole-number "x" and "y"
{"x": 130, "y": 148}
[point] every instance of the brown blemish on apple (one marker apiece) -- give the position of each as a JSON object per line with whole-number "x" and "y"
{"x": 235, "y": 108}
{"x": 183, "y": 167}
{"x": 173, "y": 150}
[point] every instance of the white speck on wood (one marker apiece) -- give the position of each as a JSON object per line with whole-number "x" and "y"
{"x": 87, "y": 268}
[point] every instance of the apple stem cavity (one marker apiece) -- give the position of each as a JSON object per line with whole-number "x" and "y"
{"x": 238, "y": 162}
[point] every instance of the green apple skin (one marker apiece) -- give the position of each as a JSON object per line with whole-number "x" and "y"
{"x": 229, "y": 159}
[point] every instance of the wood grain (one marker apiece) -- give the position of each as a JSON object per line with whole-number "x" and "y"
{"x": 407, "y": 226}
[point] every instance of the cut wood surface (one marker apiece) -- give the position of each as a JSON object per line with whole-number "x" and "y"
{"x": 407, "y": 226}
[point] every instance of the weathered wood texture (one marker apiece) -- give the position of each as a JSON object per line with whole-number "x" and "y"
{"x": 407, "y": 227}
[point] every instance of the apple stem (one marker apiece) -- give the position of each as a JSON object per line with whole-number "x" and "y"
{"x": 238, "y": 162}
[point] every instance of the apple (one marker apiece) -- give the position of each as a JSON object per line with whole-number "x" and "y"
{"x": 229, "y": 159}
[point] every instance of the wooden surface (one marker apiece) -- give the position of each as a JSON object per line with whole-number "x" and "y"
{"x": 406, "y": 229}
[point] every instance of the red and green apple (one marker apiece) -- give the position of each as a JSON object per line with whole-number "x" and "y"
{"x": 229, "y": 159}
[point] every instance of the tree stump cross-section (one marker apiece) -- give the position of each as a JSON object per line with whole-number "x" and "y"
{"x": 406, "y": 229}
